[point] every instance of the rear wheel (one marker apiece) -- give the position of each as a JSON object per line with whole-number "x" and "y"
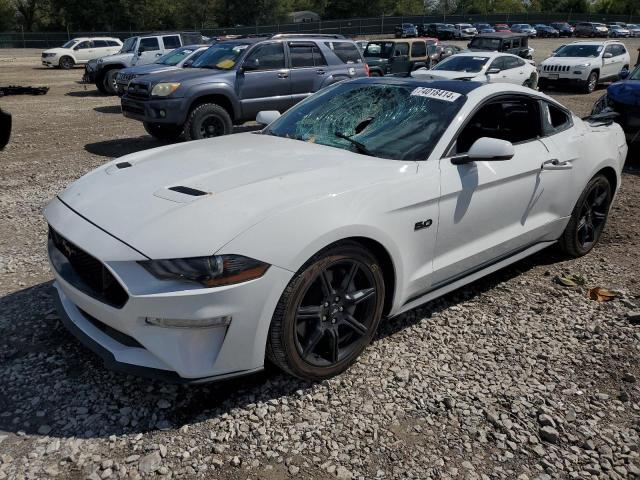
{"x": 588, "y": 218}
{"x": 328, "y": 313}
{"x": 207, "y": 121}
{"x": 163, "y": 132}
{"x": 66, "y": 62}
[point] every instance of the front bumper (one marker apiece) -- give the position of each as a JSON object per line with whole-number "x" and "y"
{"x": 50, "y": 61}
{"x": 126, "y": 342}
{"x": 151, "y": 110}
{"x": 559, "y": 77}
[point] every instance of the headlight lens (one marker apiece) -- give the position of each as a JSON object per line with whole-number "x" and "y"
{"x": 164, "y": 89}
{"x": 213, "y": 271}
{"x": 583, "y": 65}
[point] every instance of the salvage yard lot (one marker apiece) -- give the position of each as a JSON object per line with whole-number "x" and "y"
{"x": 513, "y": 375}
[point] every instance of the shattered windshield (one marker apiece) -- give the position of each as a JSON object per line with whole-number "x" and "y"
{"x": 394, "y": 121}
{"x": 222, "y": 56}
{"x": 379, "y": 49}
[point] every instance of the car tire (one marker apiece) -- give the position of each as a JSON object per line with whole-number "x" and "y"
{"x": 109, "y": 81}
{"x": 591, "y": 83}
{"x": 66, "y": 63}
{"x": 163, "y": 132}
{"x": 311, "y": 336}
{"x": 588, "y": 218}
{"x": 207, "y": 121}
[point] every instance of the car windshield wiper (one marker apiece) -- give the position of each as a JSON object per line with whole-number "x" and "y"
{"x": 359, "y": 145}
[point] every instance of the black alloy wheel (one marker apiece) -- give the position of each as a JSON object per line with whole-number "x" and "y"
{"x": 588, "y": 218}
{"x": 328, "y": 314}
{"x": 66, "y": 63}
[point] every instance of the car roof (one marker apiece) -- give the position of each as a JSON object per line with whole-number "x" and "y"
{"x": 501, "y": 35}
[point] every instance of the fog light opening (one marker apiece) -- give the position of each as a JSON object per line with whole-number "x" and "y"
{"x": 163, "y": 113}
{"x": 214, "y": 322}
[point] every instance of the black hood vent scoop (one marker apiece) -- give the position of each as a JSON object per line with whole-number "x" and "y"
{"x": 123, "y": 165}
{"x": 188, "y": 191}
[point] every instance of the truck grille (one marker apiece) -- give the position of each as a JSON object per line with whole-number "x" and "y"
{"x": 140, "y": 90}
{"x": 555, "y": 68}
{"x": 88, "y": 274}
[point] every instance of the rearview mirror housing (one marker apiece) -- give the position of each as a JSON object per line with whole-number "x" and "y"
{"x": 493, "y": 71}
{"x": 607, "y": 55}
{"x": 266, "y": 117}
{"x": 486, "y": 149}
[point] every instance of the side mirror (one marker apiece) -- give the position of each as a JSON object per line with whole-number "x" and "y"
{"x": 266, "y": 117}
{"x": 493, "y": 71}
{"x": 623, "y": 74}
{"x": 486, "y": 149}
{"x": 607, "y": 55}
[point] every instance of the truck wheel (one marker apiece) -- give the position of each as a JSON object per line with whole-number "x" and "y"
{"x": 66, "y": 62}
{"x": 109, "y": 81}
{"x": 163, "y": 132}
{"x": 592, "y": 82}
{"x": 207, "y": 121}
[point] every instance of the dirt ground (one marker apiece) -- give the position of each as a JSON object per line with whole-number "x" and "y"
{"x": 567, "y": 355}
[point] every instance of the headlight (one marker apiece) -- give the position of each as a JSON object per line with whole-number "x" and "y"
{"x": 164, "y": 89}
{"x": 100, "y": 60}
{"x": 213, "y": 271}
{"x": 583, "y": 65}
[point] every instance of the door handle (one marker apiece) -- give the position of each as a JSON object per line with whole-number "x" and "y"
{"x": 158, "y": 54}
{"x": 283, "y": 75}
{"x": 555, "y": 164}
{"x": 320, "y": 71}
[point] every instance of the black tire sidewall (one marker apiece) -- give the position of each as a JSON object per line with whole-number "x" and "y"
{"x": 61, "y": 63}
{"x": 293, "y": 362}
{"x": 108, "y": 79}
{"x": 200, "y": 113}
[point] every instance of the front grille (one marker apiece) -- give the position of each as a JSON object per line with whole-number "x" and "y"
{"x": 125, "y": 77}
{"x": 140, "y": 90}
{"x": 556, "y": 68}
{"x": 87, "y": 273}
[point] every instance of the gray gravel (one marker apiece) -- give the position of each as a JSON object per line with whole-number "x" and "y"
{"x": 515, "y": 376}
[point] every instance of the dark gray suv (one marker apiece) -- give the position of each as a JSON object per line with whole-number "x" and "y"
{"x": 234, "y": 80}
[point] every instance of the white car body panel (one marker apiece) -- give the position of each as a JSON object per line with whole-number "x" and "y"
{"x": 80, "y": 56}
{"x": 517, "y": 75}
{"x": 281, "y": 201}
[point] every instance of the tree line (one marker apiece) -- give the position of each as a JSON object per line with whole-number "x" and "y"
{"x": 141, "y": 15}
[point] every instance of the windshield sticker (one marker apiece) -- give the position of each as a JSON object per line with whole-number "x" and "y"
{"x": 436, "y": 93}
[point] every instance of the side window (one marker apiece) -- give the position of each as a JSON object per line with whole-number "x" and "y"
{"x": 506, "y": 44}
{"x": 516, "y": 43}
{"x": 346, "y": 51}
{"x": 510, "y": 62}
{"x": 618, "y": 49}
{"x": 113, "y": 43}
{"x": 171, "y": 42}
{"x": 83, "y": 45}
{"x": 513, "y": 119}
{"x": 554, "y": 119}
{"x": 520, "y": 61}
{"x": 148, "y": 44}
{"x": 401, "y": 49}
{"x": 269, "y": 56}
{"x": 305, "y": 55}
{"x": 99, "y": 43}
{"x": 418, "y": 49}
{"x": 497, "y": 63}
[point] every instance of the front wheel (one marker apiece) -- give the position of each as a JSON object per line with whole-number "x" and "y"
{"x": 207, "y": 121}
{"x": 163, "y": 132}
{"x": 109, "y": 81}
{"x": 328, "y": 313}
{"x": 592, "y": 82}
{"x": 588, "y": 218}
{"x": 66, "y": 63}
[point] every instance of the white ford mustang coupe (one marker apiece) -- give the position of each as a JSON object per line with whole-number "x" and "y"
{"x": 198, "y": 261}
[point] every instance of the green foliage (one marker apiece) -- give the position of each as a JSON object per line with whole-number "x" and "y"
{"x": 7, "y": 15}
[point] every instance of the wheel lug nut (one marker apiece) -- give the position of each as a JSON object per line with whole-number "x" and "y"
{"x": 337, "y": 299}
{"x": 341, "y": 309}
{"x": 333, "y": 320}
{"x": 326, "y": 304}
{"x": 324, "y": 318}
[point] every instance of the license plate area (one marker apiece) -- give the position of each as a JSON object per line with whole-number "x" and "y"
{"x": 554, "y": 76}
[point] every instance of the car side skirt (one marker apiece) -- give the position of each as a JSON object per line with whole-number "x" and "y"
{"x": 472, "y": 276}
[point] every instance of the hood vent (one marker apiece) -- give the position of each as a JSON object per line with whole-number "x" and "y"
{"x": 188, "y": 191}
{"x": 123, "y": 165}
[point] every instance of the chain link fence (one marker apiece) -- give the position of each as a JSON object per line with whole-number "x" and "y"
{"x": 349, "y": 27}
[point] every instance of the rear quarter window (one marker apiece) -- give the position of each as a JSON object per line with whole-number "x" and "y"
{"x": 171, "y": 41}
{"x": 418, "y": 49}
{"x": 347, "y": 52}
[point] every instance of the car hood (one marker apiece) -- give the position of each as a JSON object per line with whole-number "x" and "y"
{"x": 443, "y": 74}
{"x": 245, "y": 178}
{"x": 569, "y": 60}
{"x": 182, "y": 75}
{"x": 57, "y": 50}
{"x": 149, "y": 68}
{"x": 117, "y": 58}
{"x": 626, "y": 91}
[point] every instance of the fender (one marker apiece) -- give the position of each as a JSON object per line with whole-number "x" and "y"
{"x": 196, "y": 92}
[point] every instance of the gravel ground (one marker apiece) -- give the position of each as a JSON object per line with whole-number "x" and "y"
{"x": 514, "y": 376}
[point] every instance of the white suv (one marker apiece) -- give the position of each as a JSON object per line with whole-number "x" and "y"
{"x": 79, "y": 51}
{"x": 464, "y": 30}
{"x": 584, "y": 64}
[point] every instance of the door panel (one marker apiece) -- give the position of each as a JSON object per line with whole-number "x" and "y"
{"x": 308, "y": 69}
{"x": 264, "y": 83}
